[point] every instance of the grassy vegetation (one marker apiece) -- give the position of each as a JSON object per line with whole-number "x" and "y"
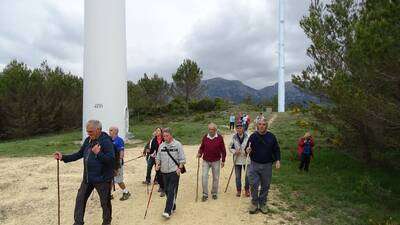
{"x": 187, "y": 129}
{"x": 338, "y": 189}
{"x": 41, "y": 145}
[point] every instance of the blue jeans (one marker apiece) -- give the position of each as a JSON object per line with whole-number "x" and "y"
{"x": 238, "y": 174}
{"x": 150, "y": 163}
{"x": 260, "y": 174}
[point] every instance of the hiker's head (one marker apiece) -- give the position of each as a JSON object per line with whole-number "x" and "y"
{"x": 113, "y": 132}
{"x": 307, "y": 135}
{"x": 93, "y": 129}
{"x": 158, "y": 132}
{"x": 239, "y": 129}
{"x": 167, "y": 134}
{"x": 262, "y": 125}
{"x": 212, "y": 129}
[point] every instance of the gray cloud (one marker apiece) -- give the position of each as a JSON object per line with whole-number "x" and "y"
{"x": 232, "y": 39}
{"x": 238, "y": 43}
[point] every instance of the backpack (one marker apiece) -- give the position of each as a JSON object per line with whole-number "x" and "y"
{"x": 117, "y": 164}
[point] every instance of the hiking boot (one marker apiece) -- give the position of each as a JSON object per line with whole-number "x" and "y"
{"x": 215, "y": 197}
{"x": 166, "y": 215}
{"x": 264, "y": 209}
{"x": 247, "y": 193}
{"x": 125, "y": 196}
{"x": 253, "y": 209}
{"x": 238, "y": 193}
{"x": 204, "y": 198}
{"x": 162, "y": 194}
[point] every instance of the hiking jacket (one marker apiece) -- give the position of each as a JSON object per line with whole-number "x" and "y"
{"x": 175, "y": 149}
{"x": 236, "y": 145}
{"x": 97, "y": 168}
{"x": 301, "y": 144}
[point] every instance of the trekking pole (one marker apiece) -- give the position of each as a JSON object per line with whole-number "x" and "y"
{"x": 230, "y": 176}
{"x": 134, "y": 159}
{"x": 197, "y": 184}
{"x": 58, "y": 190}
{"x": 151, "y": 193}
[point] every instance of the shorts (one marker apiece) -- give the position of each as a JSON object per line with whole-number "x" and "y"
{"x": 120, "y": 176}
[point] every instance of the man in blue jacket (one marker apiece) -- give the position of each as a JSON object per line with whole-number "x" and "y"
{"x": 98, "y": 156}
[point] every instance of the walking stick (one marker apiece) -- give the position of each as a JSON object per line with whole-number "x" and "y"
{"x": 197, "y": 185}
{"x": 134, "y": 159}
{"x": 230, "y": 176}
{"x": 58, "y": 190}
{"x": 151, "y": 193}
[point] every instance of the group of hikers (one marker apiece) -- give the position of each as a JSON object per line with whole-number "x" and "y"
{"x": 254, "y": 154}
{"x": 244, "y": 119}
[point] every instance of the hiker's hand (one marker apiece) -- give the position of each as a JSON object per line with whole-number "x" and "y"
{"x": 248, "y": 149}
{"x": 157, "y": 167}
{"x": 198, "y": 155}
{"x": 96, "y": 149}
{"x": 121, "y": 154}
{"x": 222, "y": 164}
{"x": 178, "y": 171}
{"x": 58, "y": 155}
{"x": 278, "y": 164}
{"x": 237, "y": 152}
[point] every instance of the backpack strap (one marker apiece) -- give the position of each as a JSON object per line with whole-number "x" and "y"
{"x": 183, "y": 169}
{"x": 173, "y": 159}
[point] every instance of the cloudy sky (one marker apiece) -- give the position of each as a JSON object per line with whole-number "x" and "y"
{"x": 233, "y": 39}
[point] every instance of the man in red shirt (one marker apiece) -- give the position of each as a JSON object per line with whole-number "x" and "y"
{"x": 213, "y": 151}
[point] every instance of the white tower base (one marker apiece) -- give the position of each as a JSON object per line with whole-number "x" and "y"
{"x": 105, "y": 67}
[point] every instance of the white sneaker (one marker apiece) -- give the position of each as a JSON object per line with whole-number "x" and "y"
{"x": 166, "y": 215}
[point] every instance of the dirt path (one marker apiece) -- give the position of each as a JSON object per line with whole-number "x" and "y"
{"x": 29, "y": 196}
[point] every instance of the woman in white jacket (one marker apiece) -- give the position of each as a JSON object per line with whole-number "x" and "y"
{"x": 237, "y": 148}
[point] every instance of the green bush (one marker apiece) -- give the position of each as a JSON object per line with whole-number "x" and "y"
{"x": 203, "y": 105}
{"x": 177, "y": 106}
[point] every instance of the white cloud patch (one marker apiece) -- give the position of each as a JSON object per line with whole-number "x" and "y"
{"x": 231, "y": 39}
